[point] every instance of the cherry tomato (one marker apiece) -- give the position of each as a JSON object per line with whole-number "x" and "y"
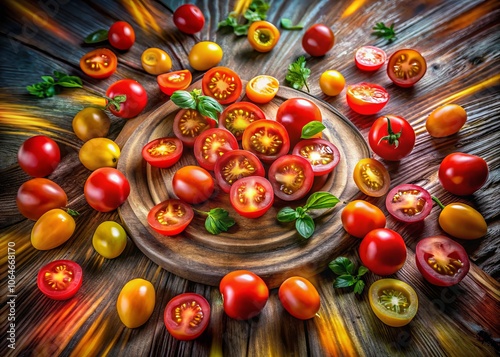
{"x": 441, "y": 260}
{"x": 291, "y": 177}
{"x": 262, "y": 89}
{"x": 163, "y": 152}
{"x": 156, "y": 61}
{"x": 393, "y": 301}
{"x": 39, "y": 195}
{"x": 106, "y": 189}
{"x": 210, "y": 145}
{"x": 321, "y": 154}
{"x": 263, "y": 36}
{"x": 121, "y": 35}
{"x": 39, "y": 156}
{"x": 244, "y": 294}
{"x": 187, "y": 316}
{"x": 391, "y": 137}
{"x": 370, "y": 58}
{"x": 406, "y": 67}
{"x": 383, "y": 251}
{"x": 177, "y": 80}
{"x": 299, "y": 297}
{"x": 135, "y": 99}
{"x": 318, "y": 40}
{"x": 237, "y": 116}
{"x": 223, "y": 84}
{"x": 99, "y": 152}
{"x": 331, "y": 82}
{"x": 170, "y": 217}
{"x": 189, "y": 19}
{"x": 251, "y": 196}
{"x": 359, "y": 217}
{"x": 371, "y": 177}
{"x": 234, "y": 165}
{"x": 408, "y": 203}
{"x": 193, "y": 184}
{"x": 100, "y": 63}
{"x": 463, "y": 174}
{"x": 188, "y": 124}
{"x": 52, "y": 229}
{"x": 136, "y": 302}
{"x": 109, "y": 239}
{"x": 91, "y": 123}
{"x": 205, "y": 55}
{"x": 60, "y": 279}
{"x": 268, "y": 139}
{"x": 446, "y": 120}
{"x": 366, "y": 98}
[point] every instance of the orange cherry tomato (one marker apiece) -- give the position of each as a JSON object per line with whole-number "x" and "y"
{"x": 263, "y": 36}
{"x": 172, "y": 81}
{"x": 299, "y": 297}
{"x": 359, "y": 217}
{"x": 99, "y": 63}
{"x": 136, "y": 302}
{"x": 371, "y": 177}
{"x": 262, "y": 89}
{"x": 52, "y": 229}
{"x": 446, "y": 120}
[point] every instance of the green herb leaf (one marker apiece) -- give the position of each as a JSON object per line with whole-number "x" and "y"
{"x": 344, "y": 281}
{"x": 287, "y": 214}
{"x": 218, "y": 220}
{"x": 209, "y": 107}
{"x": 343, "y": 267}
{"x": 382, "y": 31}
{"x": 312, "y": 128}
{"x": 320, "y": 200}
{"x": 362, "y": 270}
{"x": 183, "y": 99}
{"x": 205, "y": 105}
{"x": 49, "y": 86}
{"x": 97, "y": 36}
{"x": 256, "y": 11}
{"x": 298, "y": 74}
{"x": 359, "y": 286}
{"x": 288, "y": 25}
{"x": 305, "y": 226}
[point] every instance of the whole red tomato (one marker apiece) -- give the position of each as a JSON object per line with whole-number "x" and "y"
{"x": 318, "y": 40}
{"x": 106, "y": 189}
{"x": 189, "y": 19}
{"x": 391, "y": 137}
{"x": 463, "y": 174}
{"x": 39, "y": 195}
{"x": 359, "y": 217}
{"x": 39, "y": 156}
{"x": 299, "y": 297}
{"x": 193, "y": 184}
{"x": 294, "y": 113}
{"x": 121, "y": 35}
{"x": 126, "y": 98}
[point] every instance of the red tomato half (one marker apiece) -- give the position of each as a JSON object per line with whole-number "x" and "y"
{"x": 237, "y": 116}
{"x": 163, "y": 152}
{"x": 321, "y": 154}
{"x": 100, "y": 63}
{"x": 133, "y": 98}
{"x": 210, "y": 145}
{"x": 187, "y": 316}
{"x": 299, "y": 297}
{"x": 106, "y": 189}
{"x": 170, "y": 217}
{"x": 291, "y": 176}
{"x": 223, "y": 84}
{"x": 234, "y": 165}
{"x": 370, "y": 58}
{"x": 193, "y": 184}
{"x": 121, "y": 35}
{"x": 172, "y": 81}
{"x": 39, "y": 156}
{"x": 391, "y": 137}
{"x": 251, "y": 196}
{"x": 366, "y": 98}
{"x": 406, "y": 67}
{"x": 463, "y": 174}
{"x": 409, "y": 203}
{"x": 39, "y": 195}
{"x": 189, "y": 19}
{"x": 268, "y": 139}
{"x": 318, "y": 40}
{"x": 60, "y": 279}
{"x": 189, "y": 123}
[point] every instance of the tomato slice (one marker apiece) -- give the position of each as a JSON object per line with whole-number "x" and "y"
{"x": 223, "y": 84}
{"x": 237, "y": 116}
{"x": 268, "y": 139}
{"x": 370, "y": 58}
{"x": 263, "y": 36}
{"x": 262, "y": 89}
{"x": 189, "y": 123}
{"x": 366, "y": 98}
{"x": 172, "y": 81}
{"x": 441, "y": 260}
{"x": 322, "y": 154}
{"x": 170, "y": 217}
{"x": 291, "y": 177}
{"x": 212, "y": 144}
{"x": 60, "y": 279}
{"x": 371, "y": 177}
{"x": 251, "y": 196}
{"x": 406, "y": 67}
{"x": 100, "y": 63}
{"x": 409, "y": 203}
{"x": 234, "y": 165}
{"x": 187, "y": 316}
{"x": 163, "y": 152}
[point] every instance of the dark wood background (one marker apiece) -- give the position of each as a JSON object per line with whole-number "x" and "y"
{"x": 460, "y": 41}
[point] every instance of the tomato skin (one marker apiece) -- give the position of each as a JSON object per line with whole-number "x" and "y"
{"x": 100, "y": 63}
{"x": 234, "y": 165}
{"x": 156, "y": 61}
{"x": 188, "y": 124}
{"x": 170, "y": 217}
{"x": 446, "y": 120}
{"x": 109, "y": 239}
{"x": 60, "y": 279}
{"x": 321, "y": 154}
{"x": 99, "y": 152}
{"x": 371, "y": 177}
{"x": 291, "y": 176}
{"x": 268, "y": 139}
{"x": 463, "y": 174}
{"x": 222, "y": 84}
{"x": 237, "y": 116}
{"x": 177, "y": 80}
{"x": 193, "y": 184}
{"x": 406, "y": 67}
{"x": 163, "y": 152}
{"x": 205, "y": 55}
{"x": 262, "y": 89}
{"x": 383, "y": 251}
{"x": 91, "y": 123}
{"x": 39, "y": 195}
{"x": 462, "y": 221}
{"x": 359, "y": 217}
{"x": 263, "y": 36}
{"x": 106, "y": 189}
{"x": 391, "y": 144}
{"x": 251, "y": 196}
{"x": 318, "y": 40}
{"x": 189, "y": 19}
{"x": 331, "y": 82}
{"x": 121, "y": 35}
{"x": 370, "y": 58}
{"x": 366, "y": 98}
{"x": 52, "y": 229}
{"x": 136, "y": 302}
{"x": 408, "y": 203}
{"x": 210, "y": 145}
{"x": 192, "y": 308}
{"x": 136, "y": 98}
{"x": 299, "y": 297}
{"x": 39, "y": 156}
{"x": 244, "y": 294}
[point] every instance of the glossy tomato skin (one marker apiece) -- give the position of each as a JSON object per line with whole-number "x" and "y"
{"x": 39, "y": 156}
{"x": 409, "y": 203}
{"x": 234, "y": 165}
{"x": 106, "y": 189}
{"x": 462, "y": 221}
{"x": 262, "y": 89}
{"x": 193, "y": 184}
{"x": 359, "y": 217}
{"x": 156, "y": 61}
{"x": 188, "y": 124}
{"x": 170, "y": 217}
{"x": 52, "y": 229}
{"x": 391, "y": 137}
{"x": 60, "y": 279}
{"x": 210, "y": 145}
{"x": 268, "y": 139}
{"x": 91, "y": 123}
{"x": 189, "y": 19}
{"x": 446, "y": 120}
{"x": 383, "y": 251}
{"x": 366, "y": 98}
{"x": 371, "y": 177}
{"x": 251, "y": 196}
{"x": 331, "y": 82}
{"x": 121, "y": 35}
{"x": 109, "y": 239}
{"x": 318, "y": 40}
{"x": 441, "y": 260}
{"x": 299, "y": 297}
{"x": 463, "y": 174}
{"x": 406, "y": 67}
{"x": 237, "y": 116}
{"x": 291, "y": 176}
{"x": 136, "y": 98}
{"x": 205, "y": 55}
{"x": 99, "y": 152}
{"x": 370, "y": 58}
{"x": 163, "y": 152}
{"x": 136, "y": 302}
{"x": 321, "y": 154}
{"x": 172, "y": 81}
{"x": 263, "y": 36}
{"x": 100, "y": 63}
{"x": 223, "y": 84}
{"x": 244, "y": 294}
{"x": 187, "y": 316}
{"x": 294, "y": 113}
{"x": 39, "y": 195}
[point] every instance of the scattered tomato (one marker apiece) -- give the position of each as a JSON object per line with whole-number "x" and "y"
{"x": 331, "y": 82}
{"x": 299, "y": 297}
{"x": 366, "y": 98}
{"x": 371, "y": 177}
{"x": 189, "y": 19}
{"x": 163, "y": 152}
{"x": 121, "y": 35}
{"x": 156, "y": 61}
{"x": 251, "y": 196}
{"x": 406, "y": 67}
{"x": 109, "y": 239}
{"x": 263, "y": 36}
{"x": 359, "y": 217}
{"x": 188, "y": 124}
{"x": 268, "y": 139}
{"x": 446, "y": 120}
{"x": 223, "y": 84}
{"x": 177, "y": 80}
{"x": 39, "y": 195}
{"x": 136, "y": 302}
{"x": 39, "y": 156}
{"x": 99, "y": 152}
{"x": 192, "y": 184}
{"x": 210, "y": 145}
{"x": 186, "y": 316}
{"x": 321, "y": 154}
{"x": 237, "y": 116}
{"x": 291, "y": 177}
{"x": 52, "y": 229}
{"x": 318, "y": 40}
{"x": 370, "y": 58}
{"x": 91, "y": 123}
{"x": 132, "y": 98}
{"x": 60, "y": 279}
{"x": 170, "y": 217}
{"x": 262, "y": 89}
{"x": 106, "y": 189}
{"x": 234, "y": 165}
{"x": 205, "y": 55}
{"x": 463, "y": 174}
{"x": 409, "y": 203}
{"x": 100, "y": 63}
{"x": 391, "y": 137}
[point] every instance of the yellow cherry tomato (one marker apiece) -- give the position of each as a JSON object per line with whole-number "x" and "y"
{"x": 156, "y": 61}
{"x": 99, "y": 152}
{"x": 446, "y": 120}
{"x": 461, "y": 220}
{"x": 91, "y": 123}
{"x": 109, "y": 239}
{"x": 262, "y": 89}
{"x": 263, "y": 36}
{"x": 332, "y": 82}
{"x": 136, "y": 302}
{"x": 52, "y": 229}
{"x": 205, "y": 55}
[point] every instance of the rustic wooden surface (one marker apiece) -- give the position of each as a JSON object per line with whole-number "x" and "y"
{"x": 460, "y": 41}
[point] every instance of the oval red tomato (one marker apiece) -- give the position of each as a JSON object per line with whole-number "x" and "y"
{"x": 391, "y": 137}
{"x": 463, "y": 174}
{"x": 163, "y": 152}
{"x": 170, "y": 217}
{"x": 39, "y": 195}
{"x": 234, "y": 165}
{"x": 321, "y": 154}
{"x": 100, "y": 63}
{"x": 237, "y": 116}
{"x": 291, "y": 177}
{"x": 172, "y": 81}
{"x": 409, "y": 203}
{"x": 60, "y": 279}
{"x": 294, "y": 113}
{"x": 186, "y": 316}
{"x": 106, "y": 189}
{"x": 366, "y": 98}
{"x": 121, "y": 35}
{"x": 406, "y": 67}
{"x": 318, "y": 40}
{"x": 127, "y": 98}
{"x": 210, "y": 145}
{"x": 193, "y": 184}
{"x": 370, "y": 58}
{"x": 222, "y": 84}
{"x": 188, "y": 124}
{"x": 251, "y": 196}
{"x": 189, "y": 19}
{"x": 359, "y": 217}
{"x": 39, "y": 156}
{"x": 268, "y": 139}
{"x": 299, "y": 297}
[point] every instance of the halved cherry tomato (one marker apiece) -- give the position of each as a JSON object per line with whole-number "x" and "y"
{"x": 135, "y": 98}
{"x": 99, "y": 152}
{"x": 262, "y": 89}
{"x": 291, "y": 177}
{"x": 121, "y": 35}
{"x": 446, "y": 120}
{"x": 299, "y": 297}
{"x": 391, "y": 137}
{"x": 136, "y": 302}
{"x": 318, "y": 40}
{"x": 237, "y": 116}
{"x": 163, "y": 152}
{"x": 193, "y": 184}
{"x": 251, "y": 196}
{"x": 205, "y": 55}
{"x": 52, "y": 229}
{"x": 210, "y": 145}
{"x": 234, "y": 165}
{"x": 91, "y": 123}
{"x": 60, "y": 279}
{"x": 409, "y": 203}
{"x": 366, "y": 98}
{"x": 222, "y": 84}
{"x": 371, "y": 177}
{"x": 189, "y": 19}
{"x": 263, "y": 36}
{"x": 99, "y": 63}
{"x": 39, "y": 156}
{"x": 186, "y": 316}
{"x": 441, "y": 260}
{"x": 156, "y": 61}
{"x": 322, "y": 154}
{"x": 170, "y": 217}
{"x": 268, "y": 139}
{"x": 406, "y": 67}
{"x": 106, "y": 189}
{"x": 359, "y": 217}
{"x": 189, "y": 123}
{"x": 463, "y": 174}
{"x": 172, "y": 81}
{"x": 39, "y": 195}
{"x": 370, "y": 58}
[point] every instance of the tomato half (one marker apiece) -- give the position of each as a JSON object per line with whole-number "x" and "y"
{"x": 210, "y": 145}
{"x": 99, "y": 152}
{"x": 156, "y": 61}
{"x": 263, "y": 36}
{"x": 100, "y": 63}
{"x": 331, "y": 82}
{"x": 132, "y": 95}
{"x": 39, "y": 156}
{"x": 408, "y": 203}
{"x": 172, "y": 81}
{"x": 366, "y": 98}
{"x": 109, "y": 239}
{"x": 222, "y": 84}
{"x": 463, "y": 174}
{"x": 268, "y": 139}
{"x": 371, "y": 177}
{"x": 170, "y": 217}
{"x": 237, "y": 116}
{"x": 359, "y": 217}
{"x": 262, "y": 89}
{"x": 406, "y": 67}
{"x": 52, "y": 229}
{"x": 163, "y": 152}
{"x": 251, "y": 196}
{"x": 121, "y": 35}
{"x": 321, "y": 154}
{"x": 136, "y": 302}
{"x": 391, "y": 137}
{"x": 60, "y": 279}
{"x": 39, "y": 195}
{"x": 186, "y": 316}
{"x": 291, "y": 177}
{"x": 106, "y": 189}
{"x": 370, "y": 58}
{"x": 189, "y": 19}
{"x": 193, "y": 184}
{"x": 299, "y": 297}
{"x": 91, "y": 123}
{"x": 188, "y": 124}
{"x": 446, "y": 120}
{"x": 205, "y": 55}
{"x": 234, "y": 165}
{"x": 318, "y": 40}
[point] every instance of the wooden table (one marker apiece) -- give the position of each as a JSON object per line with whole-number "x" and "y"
{"x": 459, "y": 40}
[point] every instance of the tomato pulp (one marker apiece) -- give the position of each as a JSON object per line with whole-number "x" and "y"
{"x": 60, "y": 279}
{"x": 186, "y": 316}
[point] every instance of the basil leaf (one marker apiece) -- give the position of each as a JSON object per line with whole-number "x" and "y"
{"x": 305, "y": 226}
{"x": 344, "y": 281}
{"x": 218, "y": 220}
{"x": 359, "y": 286}
{"x": 286, "y": 214}
{"x": 321, "y": 200}
{"x": 97, "y": 36}
{"x": 341, "y": 266}
{"x": 312, "y": 128}
{"x": 362, "y": 270}
{"x": 209, "y": 107}
{"x": 287, "y": 25}
{"x": 183, "y": 99}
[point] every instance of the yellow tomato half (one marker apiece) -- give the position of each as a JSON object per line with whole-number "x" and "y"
{"x": 52, "y": 229}
{"x": 136, "y": 302}
{"x": 99, "y": 152}
{"x": 262, "y": 89}
{"x": 156, "y": 61}
{"x": 205, "y": 55}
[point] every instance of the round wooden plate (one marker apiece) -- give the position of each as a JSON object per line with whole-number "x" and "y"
{"x": 270, "y": 249}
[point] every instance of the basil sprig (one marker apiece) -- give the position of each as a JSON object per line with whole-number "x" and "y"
{"x": 345, "y": 270}
{"x": 205, "y": 105}
{"x": 217, "y": 221}
{"x": 51, "y": 84}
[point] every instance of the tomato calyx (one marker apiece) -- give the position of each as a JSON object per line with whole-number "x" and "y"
{"x": 115, "y": 101}
{"x": 392, "y": 137}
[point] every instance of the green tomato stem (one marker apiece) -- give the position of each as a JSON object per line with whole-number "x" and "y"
{"x": 435, "y": 199}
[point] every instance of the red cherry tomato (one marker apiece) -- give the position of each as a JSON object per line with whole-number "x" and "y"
{"x": 291, "y": 177}
{"x": 163, "y": 152}
{"x": 39, "y": 195}
{"x": 234, "y": 165}
{"x": 222, "y": 84}
{"x": 244, "y": 294}
{"x": 359, "y": 217}
{"x": 210, "y": 145}
{"x": 268, "y": 139}
{"x": 406, "y": 67}
{"x": 121, "y": 35}
{"x": 170, "y": 217}
{"x": 441, "y": 260}
{"x": 391, "y": 137}
{"x": 318, "y": 40}
{"x": 409, "y": 203}
{"x": 193, "y": 184}
{"x": 299, "y": 297}
{"x": 39, "y": 156}
{"x": 189, "y": 123}
{"x": 237, "y": 116}
{"x": 106, "y": 189}
{"x": 189, "y": 19}
{"x": 60, "y": 279}
{"x": 134, "y": 98}
{"x": 100, "y": 63}
{"x": 463, "y": 174}
{"x": 172, "y": 81}
{"x": 383, "y": 251}
{"x": 187, "y": 316}
{"x": 366, "y": 98}
{"x": 321, "y": 154}
{"x": 251, "y": 196}
{"x": 370, "y": 58}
